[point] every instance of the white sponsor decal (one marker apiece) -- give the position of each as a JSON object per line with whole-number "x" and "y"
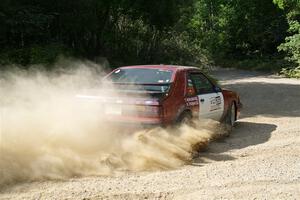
{"x": 215, "y": 103}
{"x": 191, "y": 101}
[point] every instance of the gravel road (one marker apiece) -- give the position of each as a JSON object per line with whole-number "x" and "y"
{"x": 260, "y": 159}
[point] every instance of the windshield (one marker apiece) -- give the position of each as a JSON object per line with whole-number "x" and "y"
{"x": 141, "y": 76}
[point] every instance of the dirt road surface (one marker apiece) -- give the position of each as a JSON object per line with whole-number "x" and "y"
{"x": 260, "y": 160}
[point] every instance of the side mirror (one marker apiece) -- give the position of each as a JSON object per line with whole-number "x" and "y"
{"x": 217, "y": 89}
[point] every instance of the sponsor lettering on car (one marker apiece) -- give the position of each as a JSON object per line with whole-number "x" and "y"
{"x": 192, "y": 101}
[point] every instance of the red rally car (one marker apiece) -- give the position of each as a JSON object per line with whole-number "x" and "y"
{"x": 166, "y": 95}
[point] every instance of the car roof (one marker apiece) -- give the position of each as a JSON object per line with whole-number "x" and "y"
{"x": 162, "y": 66}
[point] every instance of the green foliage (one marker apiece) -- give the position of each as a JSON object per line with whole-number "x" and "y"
{"x": 33, "y": 55}
{"x": 47, "y": 54}
{"x": 291, "y": 46}
{"x": 190, "y": 32}
{"x": 125, "y": 32}
{"x": 291, "y": 72}
{"x": 292, "y": 43}
{"x": 237, "y": 28}
{"x": 273, "y": 64}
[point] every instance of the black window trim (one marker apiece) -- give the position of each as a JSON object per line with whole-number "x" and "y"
{"x": 199, "y": 72}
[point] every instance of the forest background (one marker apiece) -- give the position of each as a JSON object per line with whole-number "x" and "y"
{"x": 247, "y": 34}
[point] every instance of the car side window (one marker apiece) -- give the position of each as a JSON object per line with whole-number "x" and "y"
{"x": 201, "y": 83}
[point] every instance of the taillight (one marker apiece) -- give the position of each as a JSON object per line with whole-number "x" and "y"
{"x": 148, "y": 111}
{"x": 152, "y": 111}
{"x": 142, "y": 110}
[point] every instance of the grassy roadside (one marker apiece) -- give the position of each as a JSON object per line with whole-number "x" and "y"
{"x": 274, "y": 65}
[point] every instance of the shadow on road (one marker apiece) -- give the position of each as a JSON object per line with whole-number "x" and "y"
{"x": 268, "y": 99}
{"x": 244, "y": 135}
{"x": 225, "y": 74}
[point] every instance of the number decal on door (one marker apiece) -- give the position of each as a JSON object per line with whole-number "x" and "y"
{"x": 215, "y": 103}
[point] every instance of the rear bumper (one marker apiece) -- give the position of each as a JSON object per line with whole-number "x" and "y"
{"x": 134, "y": 126}
{"x": 135, "y": 122}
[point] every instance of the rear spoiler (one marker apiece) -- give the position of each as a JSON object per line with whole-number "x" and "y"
{"x": 145, "y": 84}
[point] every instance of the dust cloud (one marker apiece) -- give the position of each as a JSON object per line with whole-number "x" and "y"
{"x": 49, "y": 133}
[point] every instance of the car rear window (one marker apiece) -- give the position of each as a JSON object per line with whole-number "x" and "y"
{"x": 141, "y": 76}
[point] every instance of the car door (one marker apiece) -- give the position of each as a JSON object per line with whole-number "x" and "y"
{"x": 211, "y": 102}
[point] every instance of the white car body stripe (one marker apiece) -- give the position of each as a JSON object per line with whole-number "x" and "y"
{"x": 211, "y": 105}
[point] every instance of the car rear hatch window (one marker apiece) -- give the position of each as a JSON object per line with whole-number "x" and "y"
{"x": 142, "y": 80}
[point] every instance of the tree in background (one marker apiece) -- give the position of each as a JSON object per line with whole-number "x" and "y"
{"x": 190, "y": 32}
{"x": 238, "y": 30}
{"x": 292, "y": 42}
{"x": 125, "y": 32}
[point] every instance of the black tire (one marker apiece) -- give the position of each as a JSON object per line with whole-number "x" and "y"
{"x": 230, "y": 118}
{"x": 185, "y": 118}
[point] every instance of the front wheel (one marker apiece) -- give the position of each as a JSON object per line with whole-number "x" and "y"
{"x": 230, "y": 118}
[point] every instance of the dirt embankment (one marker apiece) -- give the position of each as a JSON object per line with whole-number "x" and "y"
{"x": 261, "y": 158}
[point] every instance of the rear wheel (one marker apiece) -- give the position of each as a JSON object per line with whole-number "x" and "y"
{"x": 185, "y": 118}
